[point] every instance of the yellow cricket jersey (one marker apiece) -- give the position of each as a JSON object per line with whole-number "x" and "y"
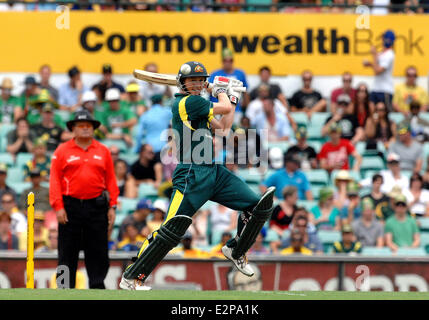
{"x": 404, "y": 94}
{"x": 305, "y": 251}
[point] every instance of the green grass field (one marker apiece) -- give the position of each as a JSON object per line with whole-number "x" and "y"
{"x": 49, "y": 294}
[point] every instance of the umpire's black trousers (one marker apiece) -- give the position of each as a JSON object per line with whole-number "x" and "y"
{"x": 86, "y": 229}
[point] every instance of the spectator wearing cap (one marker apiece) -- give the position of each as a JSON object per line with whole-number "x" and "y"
{"x": 401, "y": 230}
{"x": 346, "y": 88}
{"x": 382, "y": 66}
{"x": 408, "y": 91}
{"x": 147, "y": 168}
{"x": 41, "y": 193}
{"x": 21, "y": 139}
{"x": 126, "y": 182}
{"x": 70, "y": 93}
{"x": 40, "y": 161}
{"x": 325, "y": 216}
{"x": 307, "y": 99}
{"x": 187, "y": 250}
{"x": 419, "y": 126}
{"x": 350, "y": 208}
{"x": 152, "y": 125}
{"x": 296, "y": 245}
{"x": 107, "y": 82}
{"x": 410, "y": 152}
{"x": 347, "y": 243}
{"x": 417, "y": 197}
{"x": 344, "y": 116}
{"x": 3, "y": 185}
{"x": 138, "y": 218}
{"x": 118, "y": 119}
{"x": 132, "y": 239}
{"x": 45, "y": 77}
{"x": 368, "y": 231}
{"x": 8, "y": 240}
{"x": 379, "y": 128}
{"x": 19, "y": 220}
{"x": 335, "y": 153}
{"x": 306, "y": 153}
{"x": 290, "y": 175}
{"x": 36, "y": 105}
{"x": 133, "y": 99}
{"x": 149, "y": 89}
{"x": 30, "y": 92}
{"x": 9, "y": 104}
{"x": 377, "y": 196}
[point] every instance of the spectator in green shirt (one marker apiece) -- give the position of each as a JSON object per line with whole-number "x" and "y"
{"x": 29, "y": 94}
{"x": 401, "y": 230}
{"x": 40, "y": 160}
{"x": 134, "y": 100}
{"x": 9, "y": 104}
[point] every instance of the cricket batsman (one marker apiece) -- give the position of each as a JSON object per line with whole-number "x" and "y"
{"x": 196, "y": 181}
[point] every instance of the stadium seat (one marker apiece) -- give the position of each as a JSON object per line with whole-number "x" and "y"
{"x": 63, "y": 114}
{"x": 119, "y": 218}
{"x": 14, "y": 175}
{"x": 318, "y": 177}
{"x": 6, "y": 158}
{"x": 119, "y": 143}
{"x": 258, "y": 8}
{"x": 424, "y": 241}
{"x": 250, "y": 175}
{"x": 147, "y": 190}
{"x": 424, "y": 224}
{"x": 370, "y": 173}
{"x": 424, "y": 115}
{"x": 22, "y": 158}
{"x": 300, "y": 118}
{"x": 316, "y": 145}
{"x": 315, "y": 190}
{"x": 318, "y": 119}
{"x": 396, "y": 117}
{"x": 374, "y": 251}
{"x": 4, "y": 130}
{"x": 208, "y": 205}
{"x": 217, "y": 236}
{"x": 128, "y": 205}
{"x": 328, "y": 237}
{"x": 371, "y": 163}
{"x": 307, "y": 204}
{"x": 283, "y": 145}
{"x": 271, "y": 236}
{"x": 425, "y": 155}
{"x": 413, "y": 252}
{"x": 19, "y": 187}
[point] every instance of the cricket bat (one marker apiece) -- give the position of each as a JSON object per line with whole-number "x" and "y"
{"x": 166, "y": 79}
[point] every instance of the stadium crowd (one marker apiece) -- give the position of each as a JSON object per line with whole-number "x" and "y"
{"x": 351, "y": 169}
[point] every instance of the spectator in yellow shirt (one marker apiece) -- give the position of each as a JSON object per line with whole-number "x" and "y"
{"x": 188, "y": 251}
{"x": 297, "y": 245}
{"x": 132, "y": 240}
{"x": 409, "y": 91}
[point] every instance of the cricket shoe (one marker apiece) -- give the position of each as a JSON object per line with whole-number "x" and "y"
{"x": 132, "y": 284}
{"x": 241, "y": 263}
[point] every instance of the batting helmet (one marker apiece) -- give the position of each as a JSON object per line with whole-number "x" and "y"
{"x": 190, "y": 69}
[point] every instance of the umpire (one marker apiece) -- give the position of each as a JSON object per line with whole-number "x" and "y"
{"x": 83, "y": 192}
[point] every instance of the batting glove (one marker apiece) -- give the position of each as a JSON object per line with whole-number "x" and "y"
{"x": 220, "y": 84}
{"x": 233, "y": 95}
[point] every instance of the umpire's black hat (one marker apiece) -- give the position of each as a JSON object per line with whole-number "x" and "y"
{"x": 82, "y": 115}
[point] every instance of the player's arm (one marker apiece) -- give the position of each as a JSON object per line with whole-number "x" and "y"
{"x": 227, "y": 110}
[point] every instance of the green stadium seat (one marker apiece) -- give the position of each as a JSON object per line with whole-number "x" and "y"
{"x": 208, "y": 205}
{"x": 127, "y": 205}
{"x": 370, "y": 173}
{"x": 413, "y": 252}
{"x": 318, "y": 119}
{"x": 63, "y": 114}
{"x": 396, "y": 117}
{"x": 250, "y": 176}
{"x": 283, "y": 145}
{"x": 374, "y": 251}
{"x": 424, "y": 115}
{"x": 307, "y": 204}
{"x": 22, "y": 159}
{"x": 147, "y": 190}
{"x": 371, "y": 163}
{"x": 6, "y": 158}
{"x": 314, "y": 133}
{"x": 271, "y": 236}
{"x": 360, "y": 147}
{"x": 119, "y": 218}
{"x": 14, "y": 175}
{"x": 129, "y": 157}
{"x": 315, "y": 190}
{"x": 425, "y": 155}
{"x": 316, "y": 145}
{"x": 5, "y": 128}
{"x": 119, "y": 143}
{"x": 318, "y": 177}
{"x": 424, "y": 224}
{"x": 424, "y": 241}
{"x": 19, "y": 187}
{"x": 328, "y": 237}
{"x": 257, "y": 8}
{"x": 115, "y": 233}
{"x": 300, "y": 118}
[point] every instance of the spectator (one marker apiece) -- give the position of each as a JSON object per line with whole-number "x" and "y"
{"x": 160, "y": 208}
{"x": 133, "y": 99}
{"x": 283, "y": 213}
{"x": 52, "y": 245}
{"x": 350, "y": 209}
{"x": 273, "y": 126}
{"x": 275, "y": 158}
{"x": 361, "y": 107}
{"x": 70, "y": 93}
{"x": 9, "y": 104}
{"x": 152, "y": 125}
{"x": 90, "y": 103}
{"x": 275, "y": 92}
{"x": 407, "y": 92}
{"x": 8, "y": 240}
{"x": 126, "y": 182}
{"x": 187, "y": 250}
{"x": 368, "y": 231}
{"x": 223, "y": 219}
{"x": 3, "y": 185}
{"x": 410, "y": 152}
{"x": 389, "y": 210}
{"x": 18, "y": 219}
{"x": 297, "y": 245}
{"x": 341, "y": 180}
{"x": 40, "y": 161}
{"x": 258, "y": 247}
{"x": 149, "y": 89}
{"x": 41, "y": 233}
{"x": 419, "y": 126}
{"x": 147, "y": 169}
{"x": 107, "y": 82}
{"x": 347, "y": 244}
{"x": 379, "y": 128}
{"x": 30, "y": 92}
{"x": 45, "y": 77}
{"x": 382, "y": 65}
{"x": 401, "y": 230}
{"x": 217, "y": 249}
{"x": 344, "y": 116}
{"x": 117, "y": 118}
{"x": 36, "y": 106}
{"x": 132, "y": 239}
{"x": 335, "y": 153}
{"x": 48, "y": 130}
{"x": 200, "y": 227}
{"x": 21, "y": 139}
{"x": 307, "y": 99}
{"x": 378, "y": 198}
{"x": 41, "y": 193}
{"x": 325, "y": 216}
{"x": 347, "y": 88}
{"x": 138, "y": 218}
{"x": 291, "y": 175}
{"x": 229, "y": 70}
{"x": 417, "y": 197}
{"x": 306, "y": 153}
{"x": 255, "y": 151}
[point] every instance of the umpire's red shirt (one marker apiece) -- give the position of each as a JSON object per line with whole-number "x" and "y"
{"x": 81, "y": 174}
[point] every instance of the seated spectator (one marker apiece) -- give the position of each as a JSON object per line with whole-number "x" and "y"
{"x": 256, "y": 152}
{"x": 149, "y": 89}
{"x": 273, "y": 126}
{"x": 307, "y": 99}
{"x": 8, "y": 240}
{"x": 21, "y": 139}
{"x": 296, "y": 245}
{"x": 160, "y": 208}
{"x": 147, "y": 169}
{"x": 217, "y": 249}
{"x": 223, "y": 219}
{"x": 290, "y": 175}
{"x": 335, "y": 153}
{"x": 419, "y": 126}
{"x": 107, "y": 82}
{"x": 325, "y": 216}
{"x": 132, "y": 239}
{"x": 407, "y": 92}
{"x": 368, "y": 231}
{"x": 41, "y": 233}
{"x": 3, "y": 185}
{"x": 40, "y": 193}
{"x": 258, "y": 247}
{"x": 275, "y": 158}
{"x": 283, "y": 213}
{"x": 152, "y": 125}
{"x": 275, "y": 92}
{"x": 19, "y": 220}
{"x": 344, "y": 116}
{"x": 30, "y": 92}
{"x": 346, "y": 88}
{"x": 379, "y": 128}
{"x": 45, "y": 77}
{"x": 417, "y": 197}
{"x": 38, "y": 103}
{"x": 347, "y": 243}
{"x": 117, "y": 118}
{"x": 401, "y": 230}
{"x": 133, "y": 100}
{"x": 187, "y": 250}
{"x": 410, "y": 152}
{"x": 40, "y": 161}
{"x": 126, "y": 182}
{"x": 306, "y": 153}
{"x": 52, "y": 245}
{"x": 115, "y": 152}
{"x": 350, "y": 210}
{"x": 361, "y": 107}
{"x": 70, "y": 93}
{"x": 138, "y": 218}
{"x": 341, "y": 180}
{"x": 378, "y": 198}
{"x": 9, "y": 104}
{"x": 90, "y": 103}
